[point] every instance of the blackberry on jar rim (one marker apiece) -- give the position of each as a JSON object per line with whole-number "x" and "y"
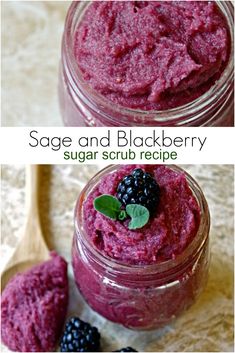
{"x": 139, "y": 188}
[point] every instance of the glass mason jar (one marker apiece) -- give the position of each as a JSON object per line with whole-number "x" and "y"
{"x": 82, "y": 106}
{"x": 140, "y": 296}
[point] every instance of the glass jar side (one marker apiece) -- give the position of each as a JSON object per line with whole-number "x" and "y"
{"x": 138, "y": 306}
{"x": 144, "y": 296}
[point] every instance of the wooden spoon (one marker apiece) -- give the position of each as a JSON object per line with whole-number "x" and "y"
{"x": 32, "y": 248}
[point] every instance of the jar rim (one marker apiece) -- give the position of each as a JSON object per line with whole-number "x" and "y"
{"x": 180, "y": 260}
{"x": 192, "y": 111}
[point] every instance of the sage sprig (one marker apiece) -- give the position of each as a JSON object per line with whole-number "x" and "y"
{"x": 111, "y": 207}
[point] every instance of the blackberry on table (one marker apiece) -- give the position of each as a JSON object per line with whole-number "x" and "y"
{"x": 139, "y": 188}
{"x": 127, "y": 349}
{"x": 80, "y": 336}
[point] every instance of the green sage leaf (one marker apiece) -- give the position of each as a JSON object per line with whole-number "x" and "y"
{"x": 108, "y": 205}
{"x": 139, "y": 216}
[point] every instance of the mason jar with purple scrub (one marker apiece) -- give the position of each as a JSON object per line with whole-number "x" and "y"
{"x": 138, "y": 271}
{"x": 147, "y": 63}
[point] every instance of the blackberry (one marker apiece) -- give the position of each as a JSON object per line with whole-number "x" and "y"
{"x": 139, "y": 188}
{"x": 79, "y": 336}
{"x": 127, "y": 349}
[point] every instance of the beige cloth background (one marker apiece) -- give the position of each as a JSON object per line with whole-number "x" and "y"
{"x": 31, "y": 39}
{"x": 207, "y": 326}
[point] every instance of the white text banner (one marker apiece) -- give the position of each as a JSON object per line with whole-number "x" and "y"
{"x": 43, "y": 145}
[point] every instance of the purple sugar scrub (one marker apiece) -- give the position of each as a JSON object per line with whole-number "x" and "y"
{"x": 147, "y": 63}
{"x": 171, "y": 228}
{"x": 34, "y": 305}
{"x": 142, "y": 278}
{"x": 152, "y": 55}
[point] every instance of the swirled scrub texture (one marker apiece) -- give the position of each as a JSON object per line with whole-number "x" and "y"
{"x": 33, "y": 307}
{"x": 152, "y": 55}
{"x": 172, "y": 226}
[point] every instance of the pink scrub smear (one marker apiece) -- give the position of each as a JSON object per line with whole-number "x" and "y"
{"x": 34, "y": 305}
